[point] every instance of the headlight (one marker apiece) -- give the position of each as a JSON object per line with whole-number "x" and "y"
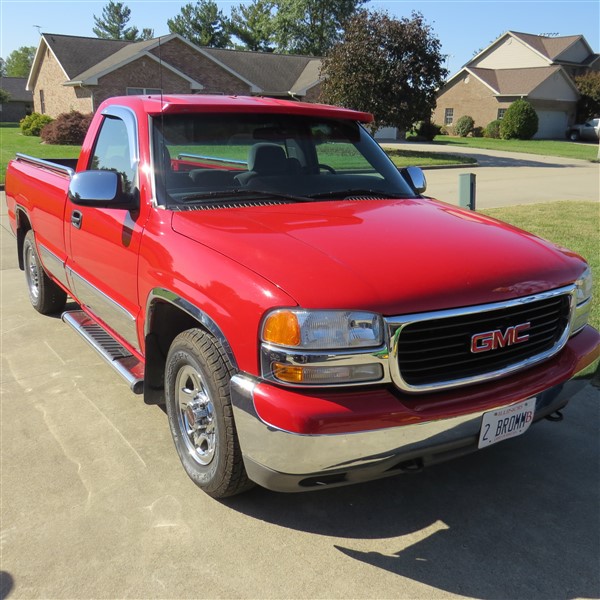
{"x": 322, "y": 329}
{"x": 322, "y": 347}
{"x": 583, "y": 299}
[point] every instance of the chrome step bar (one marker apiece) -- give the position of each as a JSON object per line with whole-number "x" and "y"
{"x": 118, "y": 357}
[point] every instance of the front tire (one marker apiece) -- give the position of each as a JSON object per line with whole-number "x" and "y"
{"x": 197, "y": 376}
{"x": 45, "y": 295}
{"x": 574, "y": 136}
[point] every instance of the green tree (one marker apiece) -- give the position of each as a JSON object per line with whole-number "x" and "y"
{"x": 203, "y": 24}
{"x": 253, "y": 25}
{"x": 2, "y": 67}
{"x": 4, "y": 96}
{"x": 520, "y": 121}
{"x": 112, "y": 24}
{"x": 588, "y": 86}
{"x": 311, "y": 26}
{"x": 18, "y": 62}
{"x": 389, "y": 67}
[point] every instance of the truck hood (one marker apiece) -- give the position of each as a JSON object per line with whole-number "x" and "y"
{"x": 393, "y": 256}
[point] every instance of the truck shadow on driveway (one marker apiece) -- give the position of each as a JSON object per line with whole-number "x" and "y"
{"x": 518, "y": 520}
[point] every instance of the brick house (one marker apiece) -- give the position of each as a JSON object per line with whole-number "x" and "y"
{"x": 78, "y": 73}
{"x": 537, "y": 68}
{"x": 20, "y": 103}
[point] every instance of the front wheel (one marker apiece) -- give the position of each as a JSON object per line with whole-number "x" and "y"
{"x": 197, "y": 376}
{"x": 45, "y": 295}
{"x": 574, "y": 136}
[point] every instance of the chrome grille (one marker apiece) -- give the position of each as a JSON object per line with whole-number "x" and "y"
{"x": 435, "y": 352}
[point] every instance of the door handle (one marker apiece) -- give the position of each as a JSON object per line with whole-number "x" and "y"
{"x": 76, "y": 218}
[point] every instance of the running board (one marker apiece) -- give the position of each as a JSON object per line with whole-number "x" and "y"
{"x": 118, "y": 357}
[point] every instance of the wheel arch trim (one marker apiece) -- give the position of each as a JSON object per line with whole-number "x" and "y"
{"x": 162, "y": 295}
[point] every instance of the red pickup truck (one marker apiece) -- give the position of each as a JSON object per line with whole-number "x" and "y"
{"x": 309, "y": 318}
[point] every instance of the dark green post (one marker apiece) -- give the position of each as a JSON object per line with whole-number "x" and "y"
{"x": 466, "y": 190}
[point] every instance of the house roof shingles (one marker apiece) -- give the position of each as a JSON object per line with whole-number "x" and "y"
{"x": 550, "y": 47}
{"x": 269, "y": 71}
{"x": 15, "y": 86}
{"x": 78, "y": 54}
{"x": 122, "y": 54}
{"x": 84, "y": 58}
{"x": 514, "y": 82}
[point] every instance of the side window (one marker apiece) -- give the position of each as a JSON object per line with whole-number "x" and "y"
{"x": 113, "y": 153}
{"x": 448, "y": 116}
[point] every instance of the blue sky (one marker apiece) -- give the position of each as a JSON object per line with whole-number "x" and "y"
{"x": 463, "y": 26}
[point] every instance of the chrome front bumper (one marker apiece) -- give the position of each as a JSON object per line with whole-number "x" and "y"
{"x": 326, "y": 448}
{"x": 291, "y": 462}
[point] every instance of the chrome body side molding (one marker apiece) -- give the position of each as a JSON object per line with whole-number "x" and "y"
{"x": 105, "y": 308}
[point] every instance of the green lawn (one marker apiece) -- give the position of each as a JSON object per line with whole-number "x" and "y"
{"x": 564, "y": 149}
{"x": 12, "y": 141}
{"x": 573, "y": 225}
{"x": 407, "y": 158}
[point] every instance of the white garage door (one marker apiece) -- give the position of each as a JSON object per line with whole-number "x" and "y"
{"x": 552, "y": 124}
{"x": 386, "y": 133}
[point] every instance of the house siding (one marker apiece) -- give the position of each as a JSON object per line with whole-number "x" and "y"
{"x": 509, "y": 54}
{"x": 14, "y": 111}
{"x": 142, "y": 73}
{"x": 467, "y": 95}
{"x": 58, "y": 98}
{"x": 577, "y": 53}
{"x": 213, "y": 77}
{"x": 555, "y": 88}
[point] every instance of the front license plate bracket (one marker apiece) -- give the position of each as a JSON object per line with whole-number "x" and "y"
{"x": 506, "y": 422}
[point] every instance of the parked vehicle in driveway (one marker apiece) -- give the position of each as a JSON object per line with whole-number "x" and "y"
{"x": 309, "y": 318}
{"x": 588, "y": 131}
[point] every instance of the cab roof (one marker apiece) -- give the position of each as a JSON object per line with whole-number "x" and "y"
{"x": 190, "y": 103}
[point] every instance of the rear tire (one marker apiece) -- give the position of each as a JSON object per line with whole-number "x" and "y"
{"x": 197, "y": 376}
{"x": 45, "y": 295}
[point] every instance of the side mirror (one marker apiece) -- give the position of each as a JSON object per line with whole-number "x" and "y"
{"x": 102, "y": 189}
{"x": 415, "y": 177}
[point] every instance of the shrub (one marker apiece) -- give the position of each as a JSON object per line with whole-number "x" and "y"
{"x": 67, "y": 128}
{"x": 492, "y": 130}
{"x": 477, "y": 132}
{"x": 423, "y": 131}
{"x": 520, "y": 121}
{"x": 464, "y": 126}
{"x": 34, "y": 123}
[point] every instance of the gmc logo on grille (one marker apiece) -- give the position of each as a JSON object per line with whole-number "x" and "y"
{"x": 491, "y": 340}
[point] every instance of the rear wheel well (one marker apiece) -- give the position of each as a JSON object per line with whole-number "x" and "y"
{"x": 23, "y": 226}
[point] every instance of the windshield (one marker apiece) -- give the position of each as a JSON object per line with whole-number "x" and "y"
{"x": 199, "y": 157}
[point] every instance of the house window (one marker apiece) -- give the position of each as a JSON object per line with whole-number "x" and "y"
{"x": 134, "y": 91}
{"x": 42, "y": 103}
{"x": 448, "y": 116}
{"x": 501, "y": 112}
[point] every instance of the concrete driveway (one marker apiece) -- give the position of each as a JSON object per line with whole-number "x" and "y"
{"x": 506, "y": 178}
{"x": 95, "y": 504}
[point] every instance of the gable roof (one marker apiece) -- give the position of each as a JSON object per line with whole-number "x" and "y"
{"x": 77, "y": 54}
{"x": 549, "y": 47}
{"x": 84, "y": 60}
{"x": 515, "y": 82}
{"x": 266, "y": 70}
{"x": 15, "y": 86}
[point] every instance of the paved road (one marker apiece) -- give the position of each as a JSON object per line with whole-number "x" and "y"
{"x": 96, "y": 505}
{"x": 505, "y": 178}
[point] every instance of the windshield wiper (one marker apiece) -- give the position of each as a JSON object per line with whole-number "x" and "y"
{"x": 356, "y": 192}
{"x": 247, "y": 194}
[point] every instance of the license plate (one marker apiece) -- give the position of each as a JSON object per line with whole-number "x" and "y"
{"x": 505, "y": 423}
